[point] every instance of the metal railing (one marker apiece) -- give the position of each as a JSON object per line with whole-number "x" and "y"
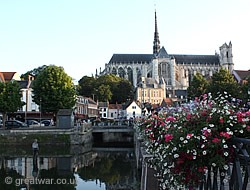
{"x": 238, "y": 175}
{"x": 114, "y": 123}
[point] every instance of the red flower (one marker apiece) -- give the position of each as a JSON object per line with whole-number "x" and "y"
{"x": 222, "y": 134}
{"x": 168, "y": 137}
{"x": 221, "y": 120}
{"x": 171, "y": 119}
{"x": 216, "y": 140}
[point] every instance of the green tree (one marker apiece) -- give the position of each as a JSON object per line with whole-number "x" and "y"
{"x": 10, "y": 98}
{"x": 103, "y": 93}
{"x": 245, "y": 88}
{"x": 121, "y": 89}
{"x": 54, "y": 90}
{"x": 122, "y": 92}
{"x": 197, "y": 87}
{"x": 107, "y": 80}
{"x": 33, "y": 72}
{"x": 86, "y": 86}
{"x": 223, "y": 81}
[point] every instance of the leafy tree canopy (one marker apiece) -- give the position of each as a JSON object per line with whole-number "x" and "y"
{"x": 103, "y": 92}
{"x": 197, "y": 87}
{"x": 245, "y": 88}
{"x": 33, "y": 72}
{"x": 123, "y": 91}
{"x": 86, "y": 86}
{"x": 10, "y": 98}
{"x": 54, "y": 90}
{"x": 106, "y": 87}
{"x": 223, "y": 81}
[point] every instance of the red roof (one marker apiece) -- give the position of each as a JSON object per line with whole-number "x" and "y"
{"x": 243, "y": 74}
{"x": 91, "y": 101}
{"x": 2, "y": 77}
{"x": 115, "y": 106}
{"x": 8, "y": 76}
{"x": 155, "y": 105}
{"x": 166, "y": 102}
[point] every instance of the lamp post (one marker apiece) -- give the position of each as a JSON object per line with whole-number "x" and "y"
{"x": 40, "y": 111}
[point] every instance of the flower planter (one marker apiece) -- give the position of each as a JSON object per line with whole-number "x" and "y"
{"x": 191, "y": 143}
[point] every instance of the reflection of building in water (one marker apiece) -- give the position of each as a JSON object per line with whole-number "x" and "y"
{"x": 115, "y": 169}
{"x": 24, "y": 166}
{"x": 86, "y": 159}
{"x": 126, "y": 183}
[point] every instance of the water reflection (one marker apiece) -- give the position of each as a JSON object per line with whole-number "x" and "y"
{"x": 75, "y": 170}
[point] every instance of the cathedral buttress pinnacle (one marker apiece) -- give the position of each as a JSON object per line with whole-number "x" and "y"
{"x": 156, "y": 47}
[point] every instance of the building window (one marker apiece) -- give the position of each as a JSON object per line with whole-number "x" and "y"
{"x": 33, "y": 107}
{"x": 133, "y": 107}
{"x": 104, "y": 115}
{"x": 133, "y": 113}
{"x": 104, "y": 109}
{"x": 112, "y": 115}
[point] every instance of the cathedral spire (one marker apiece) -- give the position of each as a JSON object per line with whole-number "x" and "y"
{"x": 156, "y": 42}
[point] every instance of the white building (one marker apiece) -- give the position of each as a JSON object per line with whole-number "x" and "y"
{"x": 116, "y": 111}
{"x": 133, "y": 110}
{"x": 27, "y": 93}
{"x": 103, "y": 109}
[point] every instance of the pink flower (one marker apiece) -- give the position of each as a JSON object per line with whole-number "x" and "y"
{"x": 248, "y": 128}
{"x": 222, "y": 134}
{"x": 216, "y": 140}
{"x": 221, "y": 120}
{"x": 168, "y": 137}
{"x": 171, "y": 119}
{"x": 189, "y": 136}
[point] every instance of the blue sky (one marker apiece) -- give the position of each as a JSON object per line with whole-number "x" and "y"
{"x": 82, "y": 35}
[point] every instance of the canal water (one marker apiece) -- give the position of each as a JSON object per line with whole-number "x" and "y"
{"x": 68, "y": 168}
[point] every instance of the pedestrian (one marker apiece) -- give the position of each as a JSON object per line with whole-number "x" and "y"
{"x": 35, "y": 148}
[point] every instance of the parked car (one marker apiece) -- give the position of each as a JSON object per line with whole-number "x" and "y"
{"x": 14, "y": 124}
{"x": 48, "y": 122}
{"x": 33, "y": 123}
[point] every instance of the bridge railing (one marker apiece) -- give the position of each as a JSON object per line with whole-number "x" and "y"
{"x": 114, "y": 123}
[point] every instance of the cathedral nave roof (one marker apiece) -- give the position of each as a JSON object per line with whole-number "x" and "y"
{"x": 180, "y": 58}
{"x": 130, "y": 58}
{"x": 195, "y": 59}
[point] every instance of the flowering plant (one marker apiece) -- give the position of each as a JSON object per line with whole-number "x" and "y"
{"x": 190, "y": 140}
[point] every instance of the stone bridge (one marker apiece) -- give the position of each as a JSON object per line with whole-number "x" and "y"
{"x": 112, "y": 129}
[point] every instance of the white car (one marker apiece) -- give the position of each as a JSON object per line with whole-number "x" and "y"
{"x": 34, "y": 123}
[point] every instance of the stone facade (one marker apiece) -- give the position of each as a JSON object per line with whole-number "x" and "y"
{"x": 177, "y": 70}
{"x": 150, "y": 91}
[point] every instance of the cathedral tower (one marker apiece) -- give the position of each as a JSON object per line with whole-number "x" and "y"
{"x": 156, "y": 46}
{"x": 226, "y": 56}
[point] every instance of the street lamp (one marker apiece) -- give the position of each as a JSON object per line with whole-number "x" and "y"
{"x": 40, "y": 111}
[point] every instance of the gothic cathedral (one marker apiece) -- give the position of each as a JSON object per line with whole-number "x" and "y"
{"x": 176, "y": 70}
